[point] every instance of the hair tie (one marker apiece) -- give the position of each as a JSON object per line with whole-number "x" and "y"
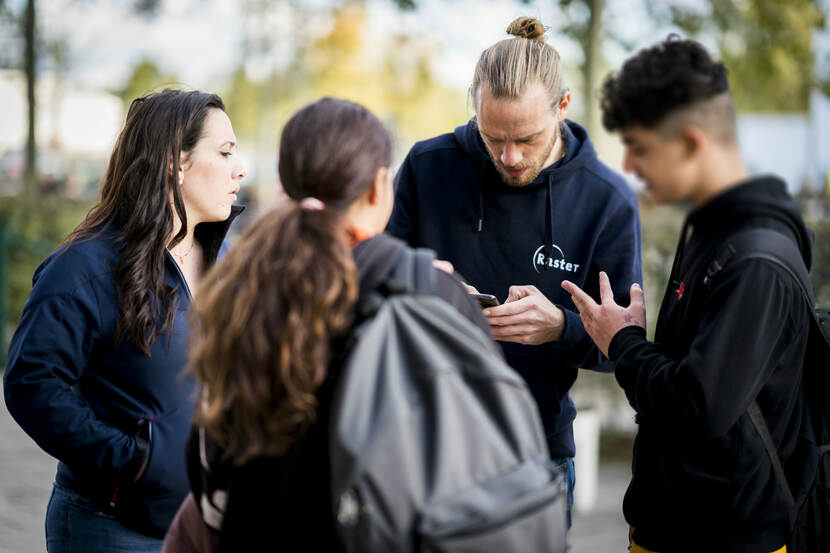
{"x": 311, "y": 204}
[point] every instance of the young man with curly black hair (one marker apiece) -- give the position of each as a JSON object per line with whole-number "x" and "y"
{"x": 727, "y": 333}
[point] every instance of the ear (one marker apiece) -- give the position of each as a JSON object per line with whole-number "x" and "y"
{"x": 694, "y": 141}
{"x": 376, "y": 192}
{"x": 180, "y": 176}
{"x": 563, "y": 106}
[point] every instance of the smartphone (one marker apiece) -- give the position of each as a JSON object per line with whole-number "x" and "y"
{"x": 486, "y": 300}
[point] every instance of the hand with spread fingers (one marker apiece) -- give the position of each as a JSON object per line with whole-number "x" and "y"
{"x": 602, "y": 321}
{"x": 526, "y": 317}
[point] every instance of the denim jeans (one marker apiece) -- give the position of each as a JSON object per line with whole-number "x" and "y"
{"x": 76, "y": 525}
{"x": 567, "y": 466}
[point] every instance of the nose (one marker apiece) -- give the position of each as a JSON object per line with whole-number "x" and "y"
{"x": 511, "y": 155}
{"x": 240, "y": 171}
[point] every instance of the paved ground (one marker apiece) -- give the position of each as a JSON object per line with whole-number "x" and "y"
{"x": 26, "y": 475}
{"x": 603, "y": 530}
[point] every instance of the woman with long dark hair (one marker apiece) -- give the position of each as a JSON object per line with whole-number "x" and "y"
{"x": 269, "y": 326}
{"x": 94, "y": 372}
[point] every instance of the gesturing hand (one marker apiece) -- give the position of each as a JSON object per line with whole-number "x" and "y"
{"x": 602, "y": 321}
{"x": 526, "y": 317}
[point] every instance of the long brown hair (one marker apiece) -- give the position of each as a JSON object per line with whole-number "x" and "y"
{"x": 135, "y": 204}
{"x": 265, "y": 317}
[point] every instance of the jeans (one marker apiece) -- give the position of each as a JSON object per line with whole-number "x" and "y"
{"x": 567, "y": 466}
{"x": 74, "y": 524}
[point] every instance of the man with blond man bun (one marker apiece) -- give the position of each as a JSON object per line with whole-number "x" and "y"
{"x": 517, "y": 200}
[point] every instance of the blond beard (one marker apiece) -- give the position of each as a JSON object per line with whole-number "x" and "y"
{"x": 535, "y": 166}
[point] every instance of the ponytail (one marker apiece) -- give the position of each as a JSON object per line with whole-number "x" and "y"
{"x": 263, "y": 323}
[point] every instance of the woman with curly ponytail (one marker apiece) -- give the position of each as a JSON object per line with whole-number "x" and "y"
{"x": 94, "y": 368}
{"x": 270, "y": 323}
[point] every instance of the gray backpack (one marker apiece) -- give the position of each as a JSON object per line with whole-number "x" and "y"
{"x": 436, "y": 443}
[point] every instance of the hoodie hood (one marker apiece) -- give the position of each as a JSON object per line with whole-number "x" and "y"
{"x": 763, "y": 197}
{"x": 579, "y": 152}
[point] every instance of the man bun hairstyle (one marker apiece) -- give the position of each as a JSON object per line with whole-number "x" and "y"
{"x": 527, "y": 27}
{"x": 673, "y": 75}
{"x": 510, "y": 65}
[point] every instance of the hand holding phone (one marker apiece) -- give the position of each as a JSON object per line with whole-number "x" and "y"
{"x": 486, "y": 300}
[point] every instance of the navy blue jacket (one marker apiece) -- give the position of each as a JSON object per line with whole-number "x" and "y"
{"x": 82, "y": 398}
{"x": 576, "y": 218}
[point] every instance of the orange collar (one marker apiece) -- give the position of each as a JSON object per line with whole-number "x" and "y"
{"x": 357, "y": 235}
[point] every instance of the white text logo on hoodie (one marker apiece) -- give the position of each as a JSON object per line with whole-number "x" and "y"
{"x": 556, "y": 260}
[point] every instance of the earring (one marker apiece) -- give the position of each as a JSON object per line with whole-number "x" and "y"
{"x": 181, "y": 180}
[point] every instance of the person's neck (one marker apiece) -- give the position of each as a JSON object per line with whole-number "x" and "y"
{"x": 187, "y": 243}
{"x": 558, "y": 150}
{"x": 362, "y": 217}
{"x": 724, "y": 171}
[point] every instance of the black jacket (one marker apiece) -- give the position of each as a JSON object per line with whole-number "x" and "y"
{"x": 701, "y": 477}
{"x": 287, "y": 500}
{"x": 82, "y": 397}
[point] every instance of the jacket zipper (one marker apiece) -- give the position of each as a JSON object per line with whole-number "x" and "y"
{"x": 179, "y": 272}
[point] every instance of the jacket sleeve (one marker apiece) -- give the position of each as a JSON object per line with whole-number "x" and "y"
{"x": 403, "y": 223}
{"x": 618, "y": 253}
{"x": 750, "y": 319}
{"x": 48, "y": 355}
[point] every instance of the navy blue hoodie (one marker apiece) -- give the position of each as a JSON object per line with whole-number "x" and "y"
{"x": 82, "y": 397}
{"x": 575, "y": 219}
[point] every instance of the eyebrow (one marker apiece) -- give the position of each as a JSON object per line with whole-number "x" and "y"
{"x": 521, "y": 139}
{"x": 228, "y": 142}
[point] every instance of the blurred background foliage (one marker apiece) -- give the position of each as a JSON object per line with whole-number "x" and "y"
{"x": 325, "y": 48}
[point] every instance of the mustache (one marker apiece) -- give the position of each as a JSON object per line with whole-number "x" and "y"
{"x": 516, "y": 167}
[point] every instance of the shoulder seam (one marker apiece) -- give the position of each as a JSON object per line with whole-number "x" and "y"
{"x": 424, "y": 147}
{"x": 74, "y": 290}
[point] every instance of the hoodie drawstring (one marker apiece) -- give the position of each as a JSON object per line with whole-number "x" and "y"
{"x": 479, "y": 226}
{"x": 548, "y": 236}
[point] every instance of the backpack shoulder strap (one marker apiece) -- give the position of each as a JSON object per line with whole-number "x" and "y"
{"x": 761, "y": 427}
{"x": 781, "y": 250}
{"x": 776, "y": 247}
{"x": 400, "y": 269}
{"x": 414, "y": 272}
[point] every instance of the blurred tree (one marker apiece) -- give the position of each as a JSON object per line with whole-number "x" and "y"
{"x": 34, "y": 48}
{"x": 766, "y": 44}
{"x": 820, "y": 271}
{"x": 146, "y": 76}
{"x": 333, "y": 53}
{"x": 243, "y": 101}
{"x": 37, "y": 222}
{"x": 29, "y": 63}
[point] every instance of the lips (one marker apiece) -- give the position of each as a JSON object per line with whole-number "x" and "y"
{"x": 514, "y": 172}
